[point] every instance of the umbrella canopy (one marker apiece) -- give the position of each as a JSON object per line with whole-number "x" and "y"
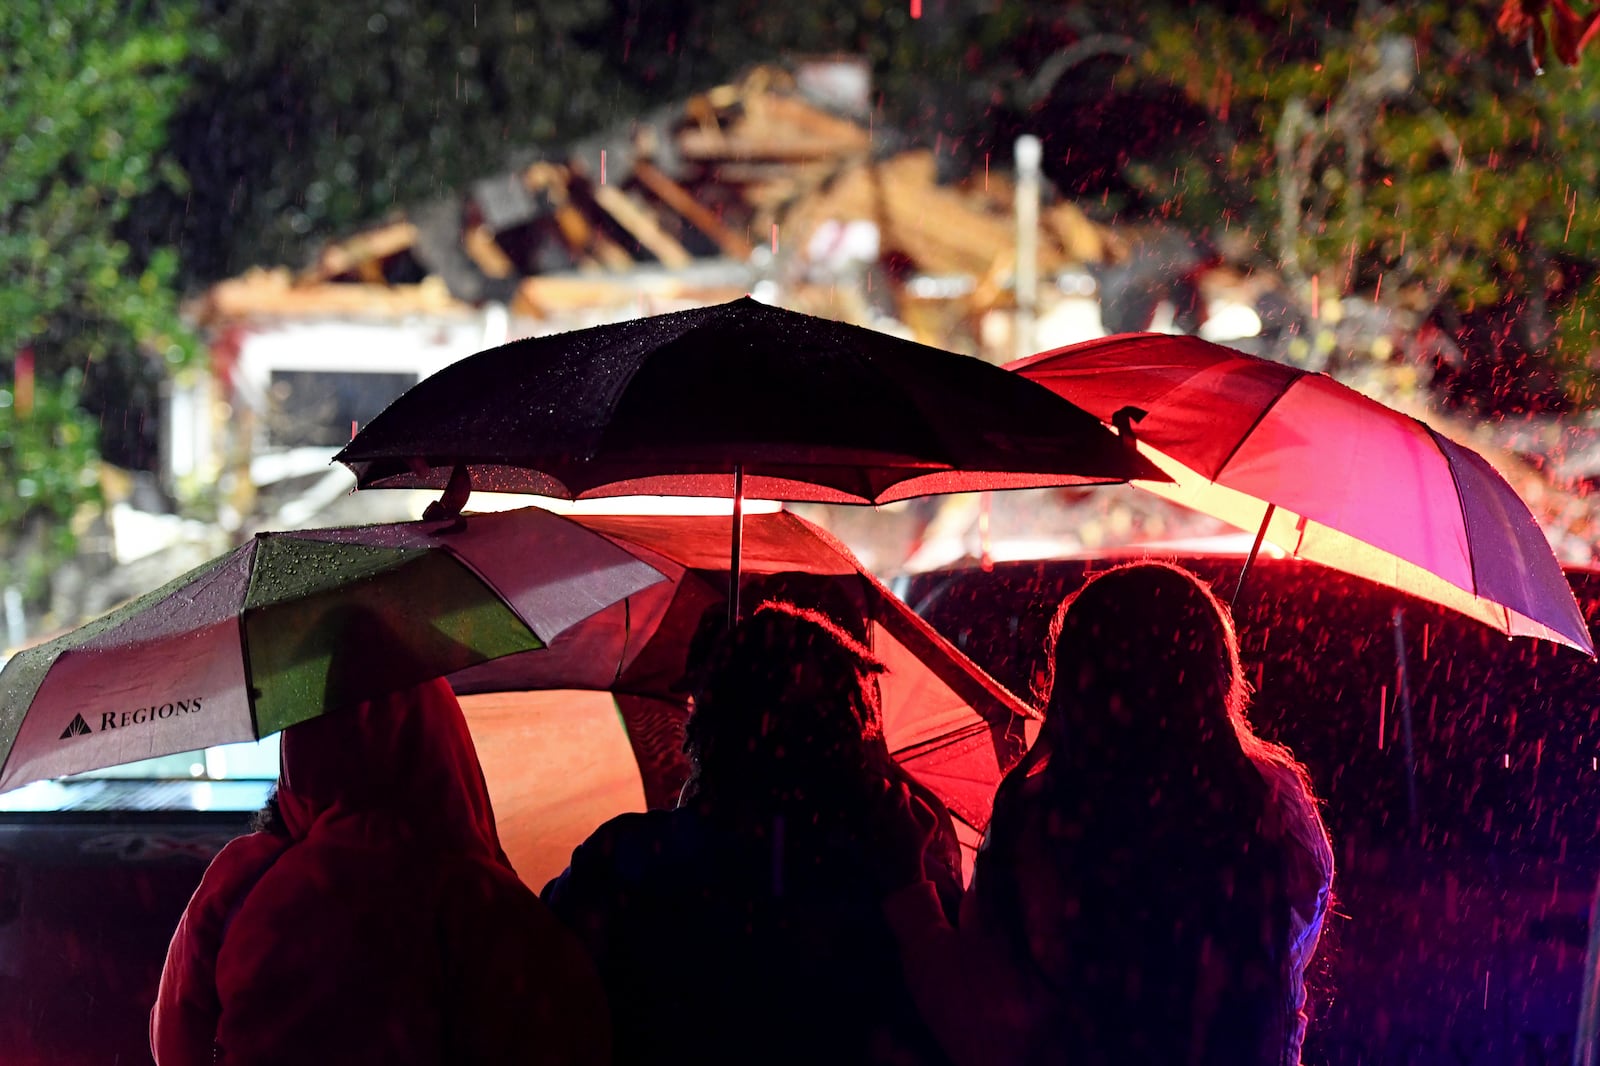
{"x": 557, "y": 764}
{"x": 945, "y": 720}
{"x": 292, "y": 624}
{"x": 803, "y": 408}
{"x": 1329, "y": 475}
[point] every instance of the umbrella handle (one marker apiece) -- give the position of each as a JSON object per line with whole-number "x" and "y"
{"x": 736, "y": 549}
{"x": 1255, "y": 549}
{"x": 454, "y": 499}
{"x": 1407, "y": 735}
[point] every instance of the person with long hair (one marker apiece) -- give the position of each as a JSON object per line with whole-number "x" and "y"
{"x": 744, "y": 924}
{"x": 840, "y": 601}
{"x": 1155, "y": 876}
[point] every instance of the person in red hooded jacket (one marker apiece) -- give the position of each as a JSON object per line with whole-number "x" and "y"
{"x": 377, "y": 919}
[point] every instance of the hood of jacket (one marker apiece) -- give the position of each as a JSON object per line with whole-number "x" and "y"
{"x": 406, "y": 756}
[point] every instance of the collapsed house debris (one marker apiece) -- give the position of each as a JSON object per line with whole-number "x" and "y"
{"x": 762, "y": 186}
{"x": 696, "y": 202}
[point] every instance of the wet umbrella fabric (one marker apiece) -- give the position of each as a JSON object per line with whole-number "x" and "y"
{"x": 945, "y": 720}
{"x": 1351, "y": 483}
{"x": 292, "y": 624}
{"x": 805, "y": 408}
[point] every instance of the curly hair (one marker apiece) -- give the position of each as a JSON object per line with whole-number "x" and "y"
{"x": 784, "y": 710}
{"x": 269, "y": 819}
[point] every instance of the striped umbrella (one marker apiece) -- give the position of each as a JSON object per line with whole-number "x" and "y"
{"x": 291, "y": 625}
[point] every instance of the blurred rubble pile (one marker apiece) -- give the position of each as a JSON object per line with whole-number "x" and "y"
{"x": 785, "y": 185}
{"x": 780, "y": 184}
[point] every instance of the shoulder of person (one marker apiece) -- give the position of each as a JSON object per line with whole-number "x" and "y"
{"x": 1291, "y": 819}
{"x": 625, "y": 835}
{"x": 229, "y": 878}
{"x": 241, "y": 861}
{"x": 479, "y": 889}
{"x": 1290, "y": 803}
{"x": 621, "y": 848}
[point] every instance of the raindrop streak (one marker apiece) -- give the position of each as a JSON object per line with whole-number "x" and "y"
{"x": 353, "y": 424}
{"x": 774, "y": 238}
{"x": 602, "y": 166}
{"x": 1383, "y": 710}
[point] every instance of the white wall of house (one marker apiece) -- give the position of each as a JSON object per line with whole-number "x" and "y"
{"x": 211, "y": 431}
{"x": 198, "y": 412}
{"x": 189, "y": 429}
{"x": 418, "y": 347}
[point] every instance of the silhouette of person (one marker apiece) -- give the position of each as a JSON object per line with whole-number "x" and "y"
{"x": 1154, "y": 880}
{"x": 744, "y": 925}
{"x": 842, "y": 600}
{"x": 372, "y": 917}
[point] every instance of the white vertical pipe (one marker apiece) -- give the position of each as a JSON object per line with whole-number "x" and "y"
{"x": 1028, "y": 153}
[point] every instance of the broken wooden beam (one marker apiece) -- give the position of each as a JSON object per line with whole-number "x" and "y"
{"x": 641, "y": 226}
{"x": 348, "y": 255}
{"x": 581, "y": 237}
{"x": 683, "y": 202}
{"x": 553, "y": 295}
{"x": 271, "y": 293}
{"x": 775, "y": 145}
{"x": 482, "y": 248}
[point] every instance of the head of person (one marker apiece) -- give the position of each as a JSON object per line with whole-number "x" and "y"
{"x": 1149, "y": 799}
{"x": 837, "y": 598}
{"x": 403, "y": 753}
{"x": 785, "y": 712}
{"x": 1145, "y": 668}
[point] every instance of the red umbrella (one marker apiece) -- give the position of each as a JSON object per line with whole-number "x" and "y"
{"x": 1325, "y": 474}
{"x": 945, "y": 720}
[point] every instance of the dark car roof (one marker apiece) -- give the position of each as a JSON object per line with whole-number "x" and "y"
{"x": 1505, "y": 734}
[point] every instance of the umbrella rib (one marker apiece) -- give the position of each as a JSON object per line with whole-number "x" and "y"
{"x": 1461, "y": 505}
{"x": 939, "y": 743}
{"x": 627, "y": 631}
{"x": 244, "y": 649}
{"x": 1260, "y": 417}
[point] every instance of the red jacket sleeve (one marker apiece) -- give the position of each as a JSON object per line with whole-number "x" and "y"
{"x": 183, "y": 1024}
{"x": 522, "y": 987}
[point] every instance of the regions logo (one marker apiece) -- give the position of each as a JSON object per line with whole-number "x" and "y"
{"x": 156, "y": 712}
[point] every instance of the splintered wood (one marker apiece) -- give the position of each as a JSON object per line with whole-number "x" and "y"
{"x": 709, "y": 182}
{"x": 272, "y": 293}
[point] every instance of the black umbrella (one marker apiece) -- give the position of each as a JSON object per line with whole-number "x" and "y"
{"x": 739, "y": 398}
